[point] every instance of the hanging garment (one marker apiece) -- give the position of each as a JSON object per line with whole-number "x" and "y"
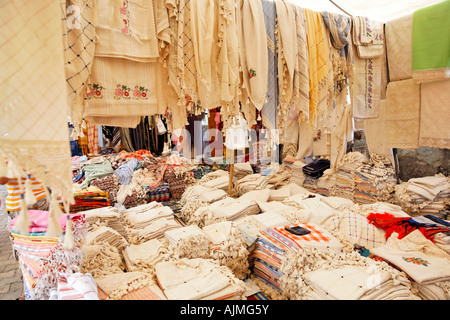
{"x": 317, "y": 59}
{"x": 92, "y": 137}
{"x": 430, "y": 43}
{"x": 403, "y": 114}
{"x": 78, "y": 25}
{"x": 399, "y": 47}
{"x": 32, "y": 120}
{"x": 434, "y": 114}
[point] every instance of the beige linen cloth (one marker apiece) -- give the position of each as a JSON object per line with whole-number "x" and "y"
{"x": 435, "y": 114}
{"x": 398, "y": 47}
{"x": 33, "y": 115}
{"x": 403, "y": 114}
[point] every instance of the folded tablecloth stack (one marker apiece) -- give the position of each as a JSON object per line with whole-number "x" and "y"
{"x": 109, "y": 184}
{"x": 251, "y": 182}
{"x": 242, "y": 169}
{"x": 426, "y": 195}
{"x": 155, "y": 230}
{"x": 188, "y": 242}
{"x": 326, "y": 184}
{"x": 159, "y": 193}
{"x": 419, "y": 258}
{"x": 104, "y": 234}
{"x": 89, "y": 198}
{"x": 198, "y": 279}
{"x": 141, "y": 219}
{"x": 227, "y": 246}
{"x": 298, "y": 176}
{"x": 107, "y": 216}
{"x": 354, "y": 283}
{"x": 143, "y": 257}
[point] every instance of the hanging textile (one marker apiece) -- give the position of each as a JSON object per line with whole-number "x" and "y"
{"x": 78, "y": 25}
{"x": 403, "y": 114}
{"x": 431, "y": 43}
{"x": 368, "y": 37}
{"x": 33, "y": 119}
{"x": 269, "y": 109}
{"x": 301, "y": 76}
{"x": 317, "y": 59}
{"x": 375, "y": 132}
{"x": 128, "y": 29}
{"x": 287, "y": 58}
{"x": 92, "y": 137}
{"x": 434, "y": 114}
{"x": 399, "y": 47}
{"x": 124, "y": 88}
{"x": 253, "y": 53}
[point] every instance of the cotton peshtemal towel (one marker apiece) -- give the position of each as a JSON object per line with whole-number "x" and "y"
{"x": 33, "y": 119}
{"x": 403, "y": 114}
{"x": 77, "y": 286}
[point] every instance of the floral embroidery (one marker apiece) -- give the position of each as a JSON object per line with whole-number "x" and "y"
{"x": 122, "y": 92}
{"x": 140, "y": 93}
{"x": 418, "y": 261}
{"x": 252, "y": 73}
{"x": 94, "y": 91}
{"x": 318, "y": 136}
{"x": 125, "y": 15}
{"x": 369, "y": 83}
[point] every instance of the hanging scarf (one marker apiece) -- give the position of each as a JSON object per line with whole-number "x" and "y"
{"x": 317, "y": 59}
{"x": 269, "y": 110}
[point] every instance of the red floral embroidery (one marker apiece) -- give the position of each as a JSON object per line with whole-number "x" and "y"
{"x": 94, "y": 91}
{"x": 122, "y": 92}
{"x": 125, "y": 13}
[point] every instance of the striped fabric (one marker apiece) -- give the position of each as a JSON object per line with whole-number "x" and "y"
{"x": 13, "y": 200}
{"x": 77, "y": 286}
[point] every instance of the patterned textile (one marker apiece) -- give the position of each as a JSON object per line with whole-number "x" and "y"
{"x": 430, "y": 45}
{"x": 32, "y": 121}
{"x": 77, "y": 286}
{"x": 403, "y": 114}
{"x": 399, "y": 47}
{"x": 92, "y": 136}
{"x": 317, "y": 238}
{"x": 368, "y": 37}
{"x": 433, "y": 119}
{"x": 160, "y": 193}
{"x": 269, "y": 109}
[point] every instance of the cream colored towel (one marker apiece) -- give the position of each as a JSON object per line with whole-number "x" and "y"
{"x": 129, "y": 29}
{"x": 403, "y": 114}
{"x": 368, "y": 37}
{"x": 398, "y": 47}
{"x": 252, "y": 51}
{"x": 375, "y": 131}
{"x": 286, "y": 36}
{"x": 435, "y": 114}
{"x": 121, "y": 87}
{"x": 33, "y": 112}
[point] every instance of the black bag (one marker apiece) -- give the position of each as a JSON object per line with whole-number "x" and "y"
{"x": 315, "y": 169}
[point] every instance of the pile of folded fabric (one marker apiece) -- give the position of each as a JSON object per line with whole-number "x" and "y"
{"x": 201, "y": 170}
{"x": 178, "y": 182}
{"x": 310, "y": 183}
{"x": 155, "y": 230}
{"x": 251, "y": 182}
{"x": 426, "y": 195}
{"x": 297, "y": 177}
{"x": 134, "y": 285}
{"x": 89, "y": 198}
{"x": 109, "y": 184}
{"x": 231, "y": 209}
{"x": 188, "y": 242}
{"x": 143, "y": 257}
{"x": 101, "y": 259}
{"x": 427, "y": 265}
{"x": 104, "y": 234}
{"x": 131, "y": 195}
{"x": 227, "y": 247}
{"x": 141, "y": 216}
{"x": 325, "y": 185}
{"x": 354, "y": 283}
{"x": 158, "y": 193}
{"x": 242, "y": 169}
{"x": 374, "y": 181}
{"x": 198, "y": 279}
{"x": 345, "y": 182}
{"x": 107, "y": 216}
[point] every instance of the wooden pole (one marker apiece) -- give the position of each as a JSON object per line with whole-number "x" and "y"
{"x": 230, "y": 181}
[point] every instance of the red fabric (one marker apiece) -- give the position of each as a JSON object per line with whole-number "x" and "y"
{"x": 402, "y": 225}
